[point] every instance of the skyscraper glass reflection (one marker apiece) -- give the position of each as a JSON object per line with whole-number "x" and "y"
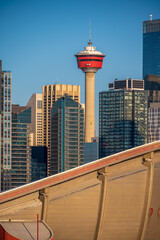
{"x": 122, "y": 120}
{"x": 5, "y": 113}
{"x": 151, "y": 54}
{"x": 67, "y": 135}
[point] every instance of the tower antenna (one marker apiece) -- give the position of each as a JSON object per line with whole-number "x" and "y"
{"x": 150, "y": 17}
{"x": 90, "y": 43}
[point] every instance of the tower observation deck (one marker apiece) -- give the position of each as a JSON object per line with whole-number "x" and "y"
{"x": 89, "y": 61}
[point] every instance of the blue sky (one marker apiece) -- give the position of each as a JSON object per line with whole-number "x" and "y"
{"x": 39, "y": 40}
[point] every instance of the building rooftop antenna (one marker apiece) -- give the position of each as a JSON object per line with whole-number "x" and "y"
{"x": 90, "y": 43}
{"x": 150, "y": 17}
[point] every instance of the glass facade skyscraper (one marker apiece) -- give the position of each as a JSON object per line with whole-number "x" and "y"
{"x": 151, "y": 54}
{"x": 38, "y": 163}
{"x": 5, "y": 111}
{"x": 154, "y": 122}
{"x": 50, "y": 94}
{"x": 67, "y": 135}
{"x": 21, "y": 118}
{"x": 122, "y": 120}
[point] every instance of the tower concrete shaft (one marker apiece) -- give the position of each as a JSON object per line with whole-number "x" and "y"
{"x": 89, "y": 106}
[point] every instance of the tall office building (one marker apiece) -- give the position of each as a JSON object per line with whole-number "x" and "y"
{"x": 122, "y": 118}
{"x": 5, "y": 112}
{"x": 154, "y": 122}
{"x": 35, "y": 102}
{"x": 21, "y": 120}
{"x": 67, "y": 135}
{"x": 38, "y": 163}
{"x": 50, "y": 94}
{"x": 153, "y": 96}
{"x": 151, "y": 54}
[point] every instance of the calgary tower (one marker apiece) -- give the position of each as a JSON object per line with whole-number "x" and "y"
{"x": 89, "y": 61}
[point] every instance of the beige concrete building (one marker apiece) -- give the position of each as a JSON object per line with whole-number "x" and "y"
{"x": 50, "y": 94}
{"x": 35, "y": 102}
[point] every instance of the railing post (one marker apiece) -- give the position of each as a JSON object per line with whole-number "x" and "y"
{"x": 37, "y": 226}
{"x": 102, "y": 176}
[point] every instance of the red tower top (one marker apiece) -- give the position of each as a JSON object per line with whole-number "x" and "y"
{"x": 90, "y": 60}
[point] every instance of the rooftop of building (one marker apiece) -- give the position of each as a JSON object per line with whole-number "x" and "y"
{"x": 58, "y": 84}
{"x": 6, "y": 71}
{"x": 152, "y": 21}
{"x": 128, "y": 84}
{"x": 16, "y": 108}
{"x": 151, "y": 26}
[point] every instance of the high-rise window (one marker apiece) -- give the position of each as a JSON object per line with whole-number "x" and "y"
{"x": 39, "y": 104}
